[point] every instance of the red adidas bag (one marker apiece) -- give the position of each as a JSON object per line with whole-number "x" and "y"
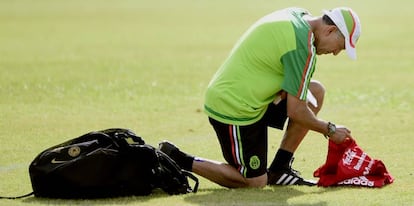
{"x": 347, "y": 164}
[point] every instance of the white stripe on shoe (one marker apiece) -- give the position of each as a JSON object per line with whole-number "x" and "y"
{"x": 286, "y": 182}
{"x": 287, "y": 179}
{"x": 281, "y": 179}
{"x": 294, "y": 180}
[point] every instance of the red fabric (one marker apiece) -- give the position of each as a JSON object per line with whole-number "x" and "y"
{"x": 347, "y": 164}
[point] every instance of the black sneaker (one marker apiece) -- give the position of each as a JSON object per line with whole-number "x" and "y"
{"x": 184, "y": 160}
{"x": 167, "y": 147}
{"x": 287, "y": 176}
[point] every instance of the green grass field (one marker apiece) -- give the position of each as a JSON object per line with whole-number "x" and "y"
{"x": 70, "y": 67}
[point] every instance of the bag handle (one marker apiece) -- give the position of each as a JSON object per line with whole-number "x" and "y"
{"x": 194, "y": 178}
{"x": 17, "y": 197}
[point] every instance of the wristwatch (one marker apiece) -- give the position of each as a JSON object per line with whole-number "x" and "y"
{"x": 331, "y": 129}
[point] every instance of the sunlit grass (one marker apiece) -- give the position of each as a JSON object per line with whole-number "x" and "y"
{"x": 70, "y": 67}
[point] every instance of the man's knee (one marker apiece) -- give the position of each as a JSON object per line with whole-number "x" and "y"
{"x": 260, "y": 181}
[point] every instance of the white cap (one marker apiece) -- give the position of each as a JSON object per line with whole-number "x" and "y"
{"x": 348, "y": 23}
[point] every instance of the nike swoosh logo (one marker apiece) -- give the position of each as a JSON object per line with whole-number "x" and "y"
{"x": 54, "y": 161}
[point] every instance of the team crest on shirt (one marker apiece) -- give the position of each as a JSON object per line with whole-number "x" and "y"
{"x": 254, "y": 162}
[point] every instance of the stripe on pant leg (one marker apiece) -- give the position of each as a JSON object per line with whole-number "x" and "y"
{"x": 237, "y": 148}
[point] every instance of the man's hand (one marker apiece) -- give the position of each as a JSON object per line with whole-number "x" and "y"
{"x": 340, "y": 134}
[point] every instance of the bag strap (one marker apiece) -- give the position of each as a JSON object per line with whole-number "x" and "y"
{"x": 17, "y": 197}
{"x": 194, "y": 178}
{"x": 123, "y": 137}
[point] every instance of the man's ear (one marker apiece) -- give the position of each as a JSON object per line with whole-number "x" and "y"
{"x": 330, "y": 29}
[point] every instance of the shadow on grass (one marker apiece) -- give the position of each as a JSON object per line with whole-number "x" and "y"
{"x": 97, "y": 201}
{"x": 267, "y": 196}
{"x": 207, "y": 197}
{"x": 104, "y": 201}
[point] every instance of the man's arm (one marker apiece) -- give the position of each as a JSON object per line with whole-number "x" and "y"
{"x": 299, "y": 112}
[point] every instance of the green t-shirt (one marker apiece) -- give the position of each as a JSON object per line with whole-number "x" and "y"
{"x": 274, "y": 54}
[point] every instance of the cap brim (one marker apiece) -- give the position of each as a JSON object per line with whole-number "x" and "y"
{"x": 351, "y": 51}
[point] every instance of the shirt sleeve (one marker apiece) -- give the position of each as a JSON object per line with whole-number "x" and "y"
{"x": 299, "y": 65}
